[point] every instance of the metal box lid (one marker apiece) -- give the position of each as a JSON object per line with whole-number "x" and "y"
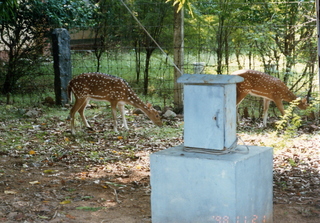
{"x": 207, "y": 79}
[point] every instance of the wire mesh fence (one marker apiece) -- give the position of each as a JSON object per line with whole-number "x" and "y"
{"x": 214, "y": 36}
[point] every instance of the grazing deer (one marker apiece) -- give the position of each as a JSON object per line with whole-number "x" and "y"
{"x": 269, "y": 88}
{"x": 104, "y": 87}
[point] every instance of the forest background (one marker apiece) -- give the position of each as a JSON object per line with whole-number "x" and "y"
{"x": 275, "y": 37}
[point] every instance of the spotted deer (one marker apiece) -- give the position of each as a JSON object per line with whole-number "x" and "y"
{"x": 269, "y": 88}
{"x": 105, "y": 87}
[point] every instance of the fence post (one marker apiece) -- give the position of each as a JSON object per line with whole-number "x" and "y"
{"x": 62, "y": 64}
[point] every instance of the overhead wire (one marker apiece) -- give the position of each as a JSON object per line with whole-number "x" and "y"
{"x": 146, "y": 31}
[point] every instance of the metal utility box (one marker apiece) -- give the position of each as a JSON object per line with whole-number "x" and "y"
{"x": 210, "y": 110}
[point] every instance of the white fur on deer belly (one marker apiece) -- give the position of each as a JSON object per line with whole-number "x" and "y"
{"x": 97, "y": 98}
{"x": 260, "y": 94}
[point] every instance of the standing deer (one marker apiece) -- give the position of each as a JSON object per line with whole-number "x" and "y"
{"x": 104, "y": 87}
{"x": 269, "y": 88}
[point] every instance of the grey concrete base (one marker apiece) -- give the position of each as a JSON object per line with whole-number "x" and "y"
{"x": 195, "y": 187}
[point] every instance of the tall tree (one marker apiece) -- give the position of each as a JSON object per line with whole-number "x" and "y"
{"x": 111, "y": 19}
{"x": 178, "y": 52}
{"x": 23, "y": 33}
{"x": 286, "y": 31}
{"x": 218, "y": 17}
{"x": 153, "y": 15}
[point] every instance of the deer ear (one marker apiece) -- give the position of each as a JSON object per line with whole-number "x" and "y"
{"x": 304, "y": 100}
{"x": 149, "y": 105}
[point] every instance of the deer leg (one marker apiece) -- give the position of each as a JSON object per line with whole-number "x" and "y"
{"x": 279, "y": 105}
{"x": 266, "y": 103}
{"x": 238, "y": 116}
{"x": 114, "y": 115}
{"x": 77, "y": 105}
{"x": 81, "y": 112}
{"x": 123, "y": 115}
{"x": 240, "y": 97}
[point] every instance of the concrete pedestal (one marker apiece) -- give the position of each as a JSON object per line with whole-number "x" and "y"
{"x": 194, "y": 187}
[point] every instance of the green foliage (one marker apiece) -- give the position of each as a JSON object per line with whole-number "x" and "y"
{"x": 292, "y": 162}
{"x": 314, "y": 106}
{"x": 49, "y": 13}
{"x": 182, "y": 3}
{"x": 23, "y": 34}
{"x": 222, "y": 33}
{"x": 66, "y": 13}
{"x": 7, "y": 9}
{"x": 291, "y": 121}
{"x": 107, "y": 17}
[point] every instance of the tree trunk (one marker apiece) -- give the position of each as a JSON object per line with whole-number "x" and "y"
{"x": 146, "y": 71}
{"x": 137, "y": 51}
{"x": 178, "y": 44}
{"x": 8, "y": 83}
{"x": 10, "y": 79}
{"x": 220, "y": 45}
{"x": 226, "y": 47}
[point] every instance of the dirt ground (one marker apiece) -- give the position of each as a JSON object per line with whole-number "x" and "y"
{"x": 33, "y": 192}
{"x": 46, "y": 175}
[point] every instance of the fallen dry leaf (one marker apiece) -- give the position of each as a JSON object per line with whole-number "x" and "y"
{"x": 34, "y": 182}
{"x": 65, "y": 202}
{"x": 11, "y": 192}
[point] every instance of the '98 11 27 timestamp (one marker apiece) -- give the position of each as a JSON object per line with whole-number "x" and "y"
{"x": 240, "y": 219}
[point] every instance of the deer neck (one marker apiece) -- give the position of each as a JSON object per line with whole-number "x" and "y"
{"x": 289, "y": 96}
{"x": 138, "y": 103}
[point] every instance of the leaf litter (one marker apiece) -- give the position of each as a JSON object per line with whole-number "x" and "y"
{"x": 48, "y": 175}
